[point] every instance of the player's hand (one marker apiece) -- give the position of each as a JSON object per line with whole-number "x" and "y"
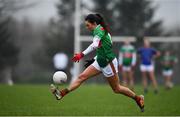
{"x": 77, "y": 57}
{"x": 88, "y": 62}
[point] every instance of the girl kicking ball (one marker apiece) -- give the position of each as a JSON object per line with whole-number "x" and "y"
{"x": 105, "y": 62}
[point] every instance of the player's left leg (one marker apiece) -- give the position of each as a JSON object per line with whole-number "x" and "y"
{"x": 113, "y": 80}
{"x": 117, "y": 88}
{"x": 154, "y": 82}
{"x": 143, "y": 69}
{"x": 169, "y": 83}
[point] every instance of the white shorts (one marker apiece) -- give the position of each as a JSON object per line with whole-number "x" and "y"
{"x": 109, "y": 70}
{"x": 167, "y": 72}
{"x": 147, "y": 68}
{"x": 126, "y": 68}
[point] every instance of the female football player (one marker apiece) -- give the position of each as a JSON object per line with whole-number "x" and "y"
{"x": 147, "y": 54}
{"x": 105, "y": 61}
{"x": 127, "y": 62}
{"x": 168, "y": 60}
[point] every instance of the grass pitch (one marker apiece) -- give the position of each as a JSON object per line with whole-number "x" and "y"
{"x": 88, "y": 100}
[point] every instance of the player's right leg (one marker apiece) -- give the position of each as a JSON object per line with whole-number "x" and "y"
{"x": 131, "y": 80}
{"x": 86, "y": 74}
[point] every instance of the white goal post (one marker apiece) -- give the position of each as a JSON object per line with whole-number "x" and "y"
{"x": 133, "y": 39}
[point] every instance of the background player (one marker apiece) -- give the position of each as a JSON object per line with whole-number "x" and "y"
{"x": 147, "y": 56}
{"x": 127, "y": 62}
{"x": 168, "y": 60}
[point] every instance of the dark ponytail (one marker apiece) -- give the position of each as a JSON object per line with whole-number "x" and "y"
{"x": 98, "y": 19}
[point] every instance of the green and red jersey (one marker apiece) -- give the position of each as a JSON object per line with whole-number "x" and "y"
{"x": 104, "y": 52}
{"x": 127, "y": 55}
{"x": 168, "y": 61}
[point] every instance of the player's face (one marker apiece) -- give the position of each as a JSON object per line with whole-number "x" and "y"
{"x": 146, "y": 43}
{"x": 126, "y": 42}
{"x": 90, "y": 26}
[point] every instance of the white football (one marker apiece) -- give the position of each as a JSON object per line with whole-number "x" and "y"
{"x": 59, "y": 77}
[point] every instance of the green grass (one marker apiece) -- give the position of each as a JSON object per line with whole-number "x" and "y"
{"x": 88, "y": 100}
